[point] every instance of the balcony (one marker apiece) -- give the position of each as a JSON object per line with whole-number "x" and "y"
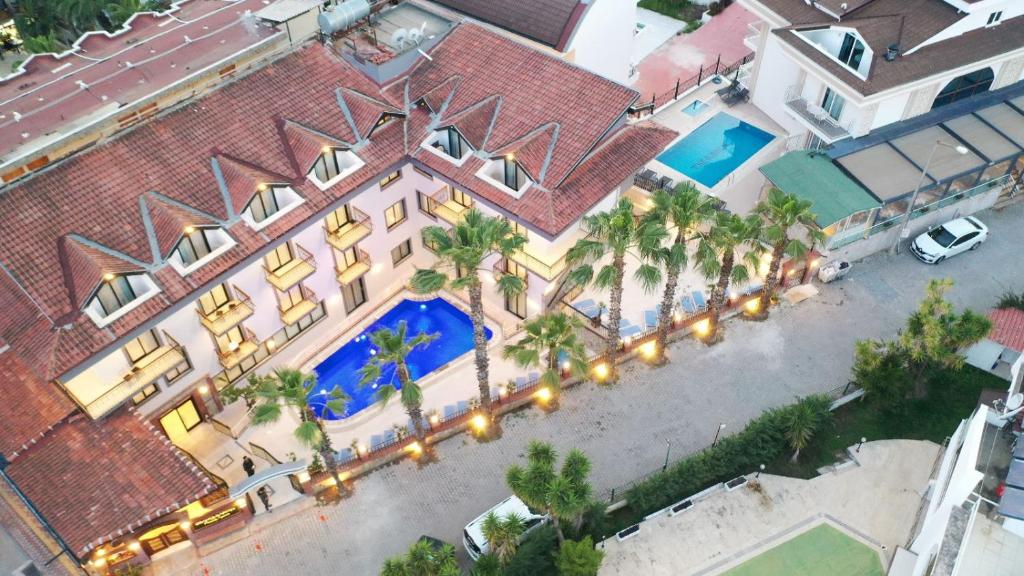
{"x": 300, "y": 308}
{"x": 547, "y": 271}
{"x": 238, "y": 351}
{"x": 144, "y": 372}
{"x": 354, "y": 271}
{"x": 815, "y": 117}
{"x": 447, "y": 209}
{"x": 300, "y": 267}
{"x": 347, "y": 235}
{"x": 229, "y": 315}
{"x": 753, "y": 35}
{"x": 501, "y": 268}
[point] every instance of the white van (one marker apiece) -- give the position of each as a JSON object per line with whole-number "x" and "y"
{"x": 473, "y": 535}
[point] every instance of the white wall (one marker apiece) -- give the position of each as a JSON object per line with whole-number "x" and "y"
{"x": 977, "y": 18}
{"x": 604, "y": 38}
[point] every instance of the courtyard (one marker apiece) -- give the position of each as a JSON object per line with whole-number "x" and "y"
{"x": 624, "y": 428}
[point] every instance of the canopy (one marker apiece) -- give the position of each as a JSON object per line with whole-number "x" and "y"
{"x": 812, "y": 176}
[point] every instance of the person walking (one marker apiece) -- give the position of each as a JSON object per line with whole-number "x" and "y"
{"x": 248, "y": 465}
{"x": 264, "y": 497}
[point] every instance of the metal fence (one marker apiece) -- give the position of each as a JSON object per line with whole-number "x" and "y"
{"x": 684, "y": 84}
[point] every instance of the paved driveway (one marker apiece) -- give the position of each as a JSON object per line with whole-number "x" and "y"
{"x": 624, "y": 429}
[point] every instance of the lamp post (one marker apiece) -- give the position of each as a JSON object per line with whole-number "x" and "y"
{"x": 720, "y": 428}
{"x": 960, "y": 149}
{"x": 862, "y": 441}
{"x": 668, "y": 448}
{"x": 759, "y": 470}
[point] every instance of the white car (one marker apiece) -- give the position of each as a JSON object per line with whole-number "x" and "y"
{"x": 949, "y": 239}
{"x": 473, "y": 535}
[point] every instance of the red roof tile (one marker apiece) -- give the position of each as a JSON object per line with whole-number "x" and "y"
{"x": 85, "y": 267}
{"x": 1008, "y": 328}
{"x": 39, "y": 405}
{"x": 474, "y": 123}
{"x": 532, "y": 151}
{"x": 243, "y": 179}
{"x": 307, "y": 144}
{"x": 95, "y": 480}
{"x": 365, "y": 110}
{"x": 170, "y": 220}
{"x": 438, "y": 95}
{"x": 549, "y": 22}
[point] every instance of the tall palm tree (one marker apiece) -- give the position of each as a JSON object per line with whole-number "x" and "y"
{"x": 392, "y": 350}
{"x": 291, "y": 388}
{"x": 460, "y": 257}
{"x": 616, "y": 233}
{"x": 563, "y": 495}
{"x": 549, "y": 338}
{"x": 803, "y": 420}
{"x": 502, "y": 534}
{"x": 686, "y": 210}
{"x": 717, "y": 260}
{"x": 780, "y": 213}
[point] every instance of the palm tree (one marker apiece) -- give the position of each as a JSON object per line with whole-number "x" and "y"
{"x": 423, "y": 558}
{"x": 802, "y": 420}
{"x": 716, "y": 257}
{"x": 780, "y": 213}
{"x": 563, "y": 495}
{"x": 502, "y": 534}
{"x": 392, "y": 350}
{"x": 616, "y": 233}
{"x": 80, "y": 15}
{"x": 288, "y": 387}
{"x": 554, "y": 335}
{"x": 120, "y": 11}
{"x": 686, "y": 210}
{"x": 460, "y": 256}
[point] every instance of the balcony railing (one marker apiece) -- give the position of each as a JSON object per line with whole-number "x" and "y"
{"x": 547, "y": 271}
{"x": 239, "y": 350}
{"x": 355, "y": 270}
{"x": 348, "y": 234}
{"x": 447, "y": 209}
{"x": 229, "y": 315}
{"x": 301, "y": 266}
{"x": 753, "y": 35}
{"x": 300, "y": 308}
{"x": 501, "y": 268}
{"x": 815, "y": 117}
{"x": 144, "y": 372}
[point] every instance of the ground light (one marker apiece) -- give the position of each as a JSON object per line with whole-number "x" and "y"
{"x": 753, "y": 305}
{"x": 415, "y": 449}
{"x": 649, "y": 349}
{"x": 240, "y": 502}
{"x": 434, "y": 419}
{"x": 543, "y": 394}
{"x": 702, "y": 328}
{"x": 601, "y": 371}
{"x": 478, "y": 422}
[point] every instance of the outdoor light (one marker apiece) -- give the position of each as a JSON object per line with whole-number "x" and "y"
{"x": 190, "y": 229}
{"x": 108, "y": 276}
{"x": 649, "y": 349}
{"x": 677, "y": 315}
{"x": 502, "y": 390}
{"x": 204, "y": 389}
{"x": 99, "y": 562}
{"x": 510, "y": 156}
{"x": 415, "y": 449}
{"x": 361, "y": 449}
{"x": 232, "y": 346}
{"x": 543, "y": 394}
{"x": 752, "y": 305}
{"x": 601, "y": 371}
{"x": 566, "y": 365}
{"x": 101, "y": 552}
{"x": 790, "y": 272}
{"x": 326, "y": 149}
{"x": 134, "y": 546}
{"x": 261, "y": 187}
{"x": 703, "y": 327}
{"x": 241, "y": 502}
{"x": 303, "y": 477}
{"x": 184, "y": 524}
{"x": 271, "y": 345}
{"x": 478, "y": 422}
{"x": 434, "y": 419}
{"x": 815, "y": 262}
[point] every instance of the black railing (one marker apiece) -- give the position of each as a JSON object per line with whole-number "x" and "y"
{"x": 682, "y": 85}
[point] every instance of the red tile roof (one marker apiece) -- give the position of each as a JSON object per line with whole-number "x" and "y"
{"x": 39, "y": 405}
{"x": 549, "y": 22}
{"x": 1008, "y": 328}
{"x": 474, "y": 123}
{"x": 221, "y": 146}
{"x": 170, "y": 220}
{"x": 307, "y": 144}
{"x": 96, "y": 480}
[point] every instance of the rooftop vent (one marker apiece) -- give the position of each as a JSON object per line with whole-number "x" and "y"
{"x": 892, "y": 52}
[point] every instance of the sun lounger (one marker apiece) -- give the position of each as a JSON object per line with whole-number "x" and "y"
{"x": 687, "y": 303}
{"x": 629, "y": 330}
{"x": 699, "y": 301}
{"x": 581, "y": 304}
{"x": 650, "y": 318}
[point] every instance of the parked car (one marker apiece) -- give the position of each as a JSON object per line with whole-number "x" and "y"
{"x": 473, "y": 535}
{"x": 949, "y": 239}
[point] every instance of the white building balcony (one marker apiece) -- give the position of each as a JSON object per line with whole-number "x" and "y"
{"x": 238, "y": 351}
{"x": 347, "y": 235}
{"x": 352, "y": 272}
{"x": 546, "y": 269}
{"x": 229, "y": 315}
{"x": 814, "y": 117}
{"x": 144, "y": 372}
{"x": 300, "y": 308}
{"x": 300, "y": 267}
{"x": 446, "y": 208}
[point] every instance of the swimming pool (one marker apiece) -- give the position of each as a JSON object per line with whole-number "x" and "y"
{"x": 433, "y": 316}
{"x": 715, "y": 149}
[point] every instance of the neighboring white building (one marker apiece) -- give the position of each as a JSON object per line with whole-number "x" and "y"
{"x": 834, "y": 69}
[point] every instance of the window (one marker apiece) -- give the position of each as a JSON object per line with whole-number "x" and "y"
{"x": 852, "y": 51}
{"x": 449, "y": 144}
{"x": 384, "y": 119}
{"x": 144, "y": 394}
{"x": 390, "y": 178}
{"x": 229, "y": 341}
{"x": 514, "y": 175}
{"x": 516, "y": 304}
{"x": 354, "y": 295}
{"x": 264, "y": 204}
{"x": 964, "y": 87}
{"x": 339, "y": 218}
{"x": 506, "y": 173}
{"x": 142, "y": 346}
{"x": 401, "y": 252}
{"x": 994, "y": 18}
{"x": 279, "y": 256}
{"x": 833, "y": 103}
{"x": 346, "y": 258}
{"x": 292, "y": 297}
{"x": 422, "y": 171}
{"x": 518, "y": 228}
{"x": 214, "y": 300}
{"x": 270, "y": 203}
{"x": 460, "y": 197}
{"x": 427, "y": 243}
{"x": 117, "y": 294}
{"x": 194, "y": 246}
{"x": 114, "y": 294}
{"x": 425, "y": 204}
{"x": 395, "y": 214}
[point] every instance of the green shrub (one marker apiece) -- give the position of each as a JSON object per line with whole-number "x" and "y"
{"x": 578, "y": 558}
{"x": 486, "y": 565}
{"x": 692, "y": 26}
{"x": 536, "y": 554}
{"x": 1011, "y": 300}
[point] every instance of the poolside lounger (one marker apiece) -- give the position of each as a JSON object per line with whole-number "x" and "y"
{"x": 630, "y": 330}
{"x": 449, "y": 411}
{"x": 520, "y": 382}
{"x": 581, "y": 304}
{"x": 650, "y": 318}
{"x": 342, "y": 456}
{"x": 462, "y": 405}
{"x": 752, "y": 289}
{"x": 699, "y": 301}
{"x": 687, "y": 303}
{"x": 666, "y": 183}
{"x": 533, "y": 376}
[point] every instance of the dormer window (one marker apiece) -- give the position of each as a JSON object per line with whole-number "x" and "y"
{"x": 333, "y": 165}
{"x": 199, "y": 245}
{"x": 270, "y": 202}
{"x": 449, "y": 144}
{"x": 117, "y": 294}
{"x": 841, "y": 44}
{"x": 852, "y": 51}
{"x": 994, "y": 18}
{"x": 385, "y": 117}
{"x": 506, "y": 173}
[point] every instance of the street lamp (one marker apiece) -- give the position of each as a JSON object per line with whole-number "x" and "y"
{"x": 759, "y": 470}
{"x": 720, "y": 428}
{"x": 668, "y": 448}
{"x": 960, "y": 149}
{"x": 862, "y": 441}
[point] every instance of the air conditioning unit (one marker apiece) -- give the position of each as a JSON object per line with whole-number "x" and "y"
{"x": 27, "y": 569}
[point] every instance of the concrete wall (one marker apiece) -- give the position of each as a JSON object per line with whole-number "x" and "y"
{"x": 603, "y": 40}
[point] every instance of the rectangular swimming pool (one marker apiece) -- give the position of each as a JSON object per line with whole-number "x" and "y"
{"x": 433, "y": 316}
{"x": 715, "y": 149}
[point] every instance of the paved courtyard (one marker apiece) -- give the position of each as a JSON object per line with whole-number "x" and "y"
{"x": 799, "y": 350}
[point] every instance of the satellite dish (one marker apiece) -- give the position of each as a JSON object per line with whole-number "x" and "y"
{"x": 1015, "y": 401}
{"x": 399, "y": 37}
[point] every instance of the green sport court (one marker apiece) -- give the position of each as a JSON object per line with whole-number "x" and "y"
{"x": 821, "y": 550}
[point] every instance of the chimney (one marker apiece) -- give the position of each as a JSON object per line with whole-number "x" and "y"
{"x": 892, "y": 52}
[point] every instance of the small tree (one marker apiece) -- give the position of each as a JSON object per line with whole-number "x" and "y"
{"x": 880, "y": 370}
{"x": 805, "y": 419}
{"x": 578, "y": 558}
{"x": 548, "y": 338}
{"x": 392, "y": 350}
{"x": 563, "y": 495}
{"x": 717, "y": 257}
{"x": 423, "y": 559}
{"x": 487, "y": 565}
{"x": 782, "y": 213}
{"x": 503, "y": 534}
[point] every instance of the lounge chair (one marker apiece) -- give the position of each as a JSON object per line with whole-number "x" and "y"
{"x": 687, "y": 303}
{"x": 629, "y": 330}
{"x": 533, "y": 377}
{"x": 650, "y": 318}
{"x": 699, "y": 301}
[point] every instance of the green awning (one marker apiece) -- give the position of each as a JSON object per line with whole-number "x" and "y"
{"x": 812, "y": 176}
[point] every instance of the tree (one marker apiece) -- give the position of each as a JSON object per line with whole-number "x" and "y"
{"x": 716, "y": 257}
{"x": 879, "y": 369}
{"x": 291, "y": 388}
{"x": 780, "y": 214}
{"x": 578, "y": 558}
{"x": 487, "y": 565}
{"x": 460, "y": 256}
{"x": 548, "y": 338}
{"x": 686, "y": 210}
{"x": 392, "y": 350}
{"x": 503, "y": 534}
{"x": 615, "y": 233}
{"x": 35, "y": 18}
{"x": 423, "y": 559}
{"x": 803, "y": 420}
{"x": 43, "y": 44}
{"x": 120, "y": 11}
{"x": 562, "y": 495}
{"x": 80, "y": 15}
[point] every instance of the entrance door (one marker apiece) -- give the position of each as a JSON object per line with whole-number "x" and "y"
{"x": 179, "y": 421}
{"x": 162, "y": 538}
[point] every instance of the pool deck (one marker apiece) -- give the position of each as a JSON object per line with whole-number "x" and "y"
{"x": 875, "y": 501}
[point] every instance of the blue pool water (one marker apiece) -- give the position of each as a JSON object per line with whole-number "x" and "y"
{"x": 694, "y": 108}
{"x": 715, "y": 149}
{"x": 433, "y": 316}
